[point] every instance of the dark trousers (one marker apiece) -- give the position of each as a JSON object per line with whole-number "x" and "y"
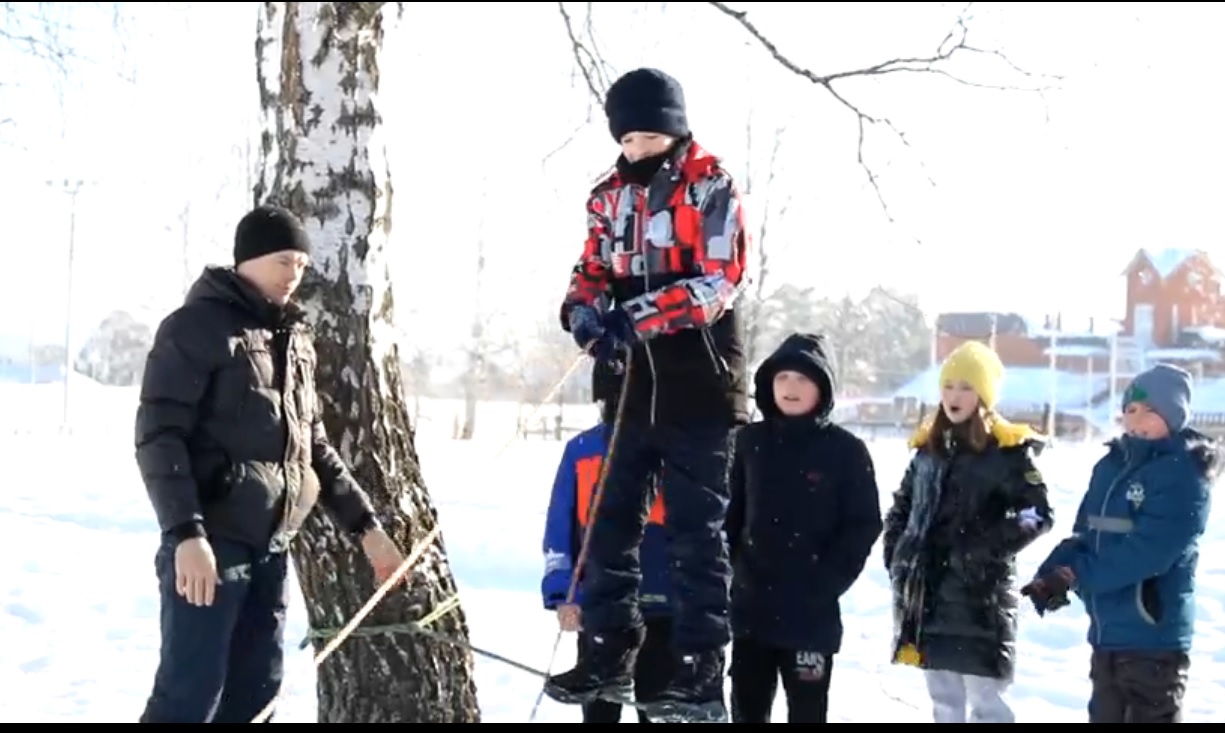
{"x": 755, "y": 670}
{"x": 221, "y": 663}
{"x": 652, "y": 672}
{"x": 691, "y": 464}
{"x": 1138, "y": 687}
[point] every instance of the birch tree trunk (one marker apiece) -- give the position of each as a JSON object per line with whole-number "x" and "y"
{"x": 322, "y": 156}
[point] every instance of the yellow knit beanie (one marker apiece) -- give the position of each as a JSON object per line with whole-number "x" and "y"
{"x": 977, "y": 365}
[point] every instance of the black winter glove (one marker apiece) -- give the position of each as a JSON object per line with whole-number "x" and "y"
{"x": 1049, "y": 593}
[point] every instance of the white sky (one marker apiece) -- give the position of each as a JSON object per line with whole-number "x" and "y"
{"x": 1027, "y": 214}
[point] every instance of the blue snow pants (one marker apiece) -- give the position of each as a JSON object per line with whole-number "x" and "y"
{"x": 221, "y": 663}
{"x": 691, "y": 464}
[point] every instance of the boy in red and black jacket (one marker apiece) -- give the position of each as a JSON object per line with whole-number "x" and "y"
{"x": 666, "y": 248}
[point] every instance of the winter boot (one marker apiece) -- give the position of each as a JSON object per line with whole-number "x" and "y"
{"x": 605, "y": 671}
{"x": 695, "y": 694}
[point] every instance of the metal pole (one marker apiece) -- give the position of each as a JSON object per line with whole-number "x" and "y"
{"x": 1114, "y": 373}
{"x": 1054, "y": 378}
{"x": 72, "y": 188}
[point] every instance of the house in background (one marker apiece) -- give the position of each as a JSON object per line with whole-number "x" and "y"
{"x": 1174, "y": 311}
{"x": 1173, "y": 300}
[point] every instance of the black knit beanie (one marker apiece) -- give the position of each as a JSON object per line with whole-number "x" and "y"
{"x": 268, "y": 229}
{"x": 646, "y": 100}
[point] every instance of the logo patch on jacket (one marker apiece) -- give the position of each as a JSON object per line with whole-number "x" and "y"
{"x": 1033, "y": 477}
{"x": 555, "y": 561}
{"x": 1135, "y": 494}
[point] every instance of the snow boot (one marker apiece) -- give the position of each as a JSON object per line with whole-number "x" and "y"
{"x": 695, "y": 694}
{"x": 605, "y": 672}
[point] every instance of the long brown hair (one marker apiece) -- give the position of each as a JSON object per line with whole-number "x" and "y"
{"x": 974, "y": 432}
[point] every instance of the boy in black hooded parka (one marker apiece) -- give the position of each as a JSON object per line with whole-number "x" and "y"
{"x": 804, "y": 515}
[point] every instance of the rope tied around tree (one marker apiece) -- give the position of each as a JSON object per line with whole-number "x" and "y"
{"x": 405, "y": 627}
{"x": 422, "y": 628}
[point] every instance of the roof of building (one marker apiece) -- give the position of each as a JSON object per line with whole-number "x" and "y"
{"x": 1165, "y": 261}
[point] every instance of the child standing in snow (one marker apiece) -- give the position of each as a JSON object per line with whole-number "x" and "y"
{"x": 1134, "y": 550}
{"x": 569, "y": 511}
{"x": 666, "y": 248}
{"x": 804, "y": 514}
{"x": 969, "y": 502}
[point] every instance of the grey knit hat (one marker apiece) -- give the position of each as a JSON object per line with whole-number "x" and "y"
{"x": 1166, "y": 390}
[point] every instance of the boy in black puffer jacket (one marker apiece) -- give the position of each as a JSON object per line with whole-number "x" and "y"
{"x": 804, "y": 515}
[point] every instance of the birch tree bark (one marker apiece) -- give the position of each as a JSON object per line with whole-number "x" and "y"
{"x": 323, "y": 157}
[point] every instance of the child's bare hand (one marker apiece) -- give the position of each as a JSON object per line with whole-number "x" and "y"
{"x": 569, "y": 617}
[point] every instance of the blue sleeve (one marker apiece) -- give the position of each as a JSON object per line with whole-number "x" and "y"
{"x": 1172, "y": 516}
{"x": 1065, "y": 553}
{"x": 559, "y": 532}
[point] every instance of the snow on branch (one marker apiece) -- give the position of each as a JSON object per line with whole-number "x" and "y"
{"x": 955, "y": 45}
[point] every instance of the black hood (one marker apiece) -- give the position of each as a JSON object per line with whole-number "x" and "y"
{"x": 806, "y": 353}
{"x": 225, "y": 285}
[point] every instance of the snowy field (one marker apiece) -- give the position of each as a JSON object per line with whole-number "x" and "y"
{"x": 78, "y": 610}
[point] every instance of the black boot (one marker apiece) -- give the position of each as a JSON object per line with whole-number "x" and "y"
{"x": 695, "y": 694}
{"x": 606, "y": 671}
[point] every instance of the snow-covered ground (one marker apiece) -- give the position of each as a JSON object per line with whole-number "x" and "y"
{"x": 78, "y": 605}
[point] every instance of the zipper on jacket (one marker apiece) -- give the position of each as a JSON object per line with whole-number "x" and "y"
{"x": 280, "y": 539}
{"x": 641, "y": 247}
{"x": 1097, "y": 541}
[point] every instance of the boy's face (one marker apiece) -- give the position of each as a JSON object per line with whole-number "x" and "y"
{"x": 958, "y": 400}
{"x": 795, "y": 394}
{"x": 638, "y": 145}
{"x": 277, "y": 275}
{"x": 1140, "y": 421}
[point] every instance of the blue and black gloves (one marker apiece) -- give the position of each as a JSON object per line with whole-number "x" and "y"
{"x": 605, "y": 337}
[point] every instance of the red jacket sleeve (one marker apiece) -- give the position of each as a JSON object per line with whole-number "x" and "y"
{"x": 589, "y": 279}
{"x": 697, "y": 302}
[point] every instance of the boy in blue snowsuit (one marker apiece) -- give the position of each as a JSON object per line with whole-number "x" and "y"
{"x": 578, "y": 475}
{"x": 1134, "y": 551}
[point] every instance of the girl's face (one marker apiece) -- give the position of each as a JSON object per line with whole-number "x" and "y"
{"x": 958, "y": 400}
{"x": 638, "y": 145}
{"x": 1140, "y": 421}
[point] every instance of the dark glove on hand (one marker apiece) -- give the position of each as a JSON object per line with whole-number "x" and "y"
{"x": 618, "y": 334}
{"x": 1049, "y": 592}
{"x": 585, "y": 326}
{"x": 618, "y": 324}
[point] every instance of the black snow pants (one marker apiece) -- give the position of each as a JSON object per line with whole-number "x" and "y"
{"x": 1137, "y": 687}
{"x": 221, "y": 663}
{"x": 691, "y": 463}
{"x": 755, "y": 670}
{"x": 652, "y": 672}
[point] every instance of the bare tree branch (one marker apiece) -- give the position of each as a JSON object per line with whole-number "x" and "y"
{"x": 44, "y": 32}
{"x": 590, "y": 61}
{"x": 954, "y": 44}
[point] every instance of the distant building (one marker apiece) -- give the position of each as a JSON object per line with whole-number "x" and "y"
{"x": 1174, "y": 312}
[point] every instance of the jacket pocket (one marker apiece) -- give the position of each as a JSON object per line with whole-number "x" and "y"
{"x": 1148, "y": 601}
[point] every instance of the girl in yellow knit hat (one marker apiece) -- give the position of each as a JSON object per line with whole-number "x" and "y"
{"x": 970, "y": 500}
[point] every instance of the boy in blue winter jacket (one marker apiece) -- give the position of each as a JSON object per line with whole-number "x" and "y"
{"x": 569, "y": 508}
{"x": 1134, "y": 551}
